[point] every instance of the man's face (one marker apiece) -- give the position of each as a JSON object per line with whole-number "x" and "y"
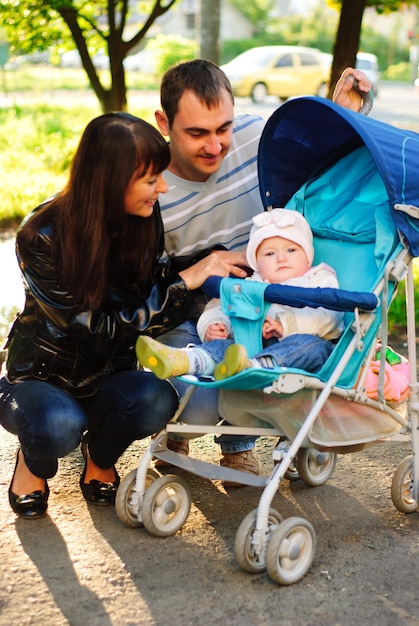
{"x": 200, "y": 137}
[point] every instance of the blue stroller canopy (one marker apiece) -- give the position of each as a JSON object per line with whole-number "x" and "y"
{"x": 305, "y": 136}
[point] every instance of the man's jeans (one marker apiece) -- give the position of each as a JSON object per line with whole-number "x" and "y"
{"x": 306, "y": 352}
{"x": 202, "y": 408}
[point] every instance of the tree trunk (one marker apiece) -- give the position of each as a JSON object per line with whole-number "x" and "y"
{"x": 210, "y": 30}
{"x": 114, "y": 98}
{"x": 347, "y": 39}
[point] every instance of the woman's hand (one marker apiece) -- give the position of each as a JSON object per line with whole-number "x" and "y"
{"x": 215, "y": 264}
{"x": 345, "y": 95}
{"x": 216, "y": 331}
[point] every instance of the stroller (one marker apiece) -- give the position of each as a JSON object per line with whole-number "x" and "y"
{"x": 355, "y": 181}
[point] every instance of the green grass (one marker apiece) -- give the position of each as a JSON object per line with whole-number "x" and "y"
{"x": 397, "y": 314}
{"x": 41, "y": 79}
{"x": 38, "y": 138}
{"x": 37, "y": 145}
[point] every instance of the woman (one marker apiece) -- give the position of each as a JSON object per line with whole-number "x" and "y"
{"x": 94, "y": 282}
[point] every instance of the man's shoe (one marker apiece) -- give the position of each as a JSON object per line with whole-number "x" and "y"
{"x": 181, "y": 447}
{"x": 243, "y": 461}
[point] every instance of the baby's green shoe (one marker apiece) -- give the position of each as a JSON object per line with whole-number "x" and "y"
{"x": 164, "y": 361}
{"x": 235, "y": 360}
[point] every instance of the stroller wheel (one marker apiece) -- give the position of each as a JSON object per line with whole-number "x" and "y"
{"x": 248, "y": 557}
{"x": 315, "y": 467}
{"x": 291, "y": 473}
{"x": 402, "y": 487}
{"x": 166, "y": 505}
{"x": 126, "y": 501}
{"x": 291, "y": 550}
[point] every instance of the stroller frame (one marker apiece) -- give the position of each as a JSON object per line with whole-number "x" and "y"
{"x": 286, "y": 548}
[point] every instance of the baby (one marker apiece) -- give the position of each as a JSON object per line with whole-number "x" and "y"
{"x": 280, "y": 250}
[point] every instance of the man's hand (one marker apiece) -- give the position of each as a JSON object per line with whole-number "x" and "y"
{"x": 344, "y": 93}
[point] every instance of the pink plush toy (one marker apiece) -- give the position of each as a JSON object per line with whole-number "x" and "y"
{"x": 396, "y": 381}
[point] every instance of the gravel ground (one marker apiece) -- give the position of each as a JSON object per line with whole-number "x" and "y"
{"x": 80, "y": 565}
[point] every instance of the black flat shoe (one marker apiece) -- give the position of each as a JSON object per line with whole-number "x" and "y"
{"x": 99, "y": 493}
{"x": 96, "y": 492}
{"x": 29, "y": 506}
{"x": 83, "y": 446}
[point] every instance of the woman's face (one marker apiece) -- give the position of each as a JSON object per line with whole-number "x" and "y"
{"x": 142, "y": 193}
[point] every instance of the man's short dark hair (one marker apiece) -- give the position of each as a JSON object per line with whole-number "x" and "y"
{"x": 202, "y": 77}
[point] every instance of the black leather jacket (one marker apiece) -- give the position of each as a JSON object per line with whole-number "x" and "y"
{"x": 53, "y": 340}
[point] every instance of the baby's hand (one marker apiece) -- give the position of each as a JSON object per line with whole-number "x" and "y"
{"x": 216, "y": 331}
{"x": 272, "y": 328}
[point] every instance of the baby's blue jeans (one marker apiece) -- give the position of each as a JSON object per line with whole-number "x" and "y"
{"x": 306, "y": 352}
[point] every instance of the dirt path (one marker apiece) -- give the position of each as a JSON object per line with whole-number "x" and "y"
{"x": 81, "y": 565}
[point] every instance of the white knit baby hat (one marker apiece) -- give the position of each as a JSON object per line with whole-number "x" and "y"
{"x": 279, "y": 223}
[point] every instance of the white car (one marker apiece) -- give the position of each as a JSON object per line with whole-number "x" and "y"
{"x": 71, "y": 58}
{"x": 101, "y": 60}
{"x": 365, "y": 62}
{"x": 142, "y": 61}
{"x": 368, "y": 64}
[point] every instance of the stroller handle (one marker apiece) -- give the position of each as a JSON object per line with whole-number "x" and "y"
{"x": 326, "y": 297}
{"x": 367, "y": 99}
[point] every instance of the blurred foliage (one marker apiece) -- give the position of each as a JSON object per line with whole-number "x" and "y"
{"x": 170, "y": 50}
{"x": 381, "y": 6}
{"x": 397, "y": 314}
{"x": 7, "y": 315}
{"x": 38, "y": 142}
{"x": 258, "y": 12}
{"x": 401, "y": 72}
{"x": 33, "y": 26}
{"x": 318, "y": 30}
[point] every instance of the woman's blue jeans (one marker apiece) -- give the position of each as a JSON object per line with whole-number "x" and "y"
{"x": 49, "y": 422}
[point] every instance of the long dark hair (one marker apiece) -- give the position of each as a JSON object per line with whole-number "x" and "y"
{"x": 92, "y": 233}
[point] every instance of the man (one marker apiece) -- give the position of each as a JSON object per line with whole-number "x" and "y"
{"x": 212, "y": 198}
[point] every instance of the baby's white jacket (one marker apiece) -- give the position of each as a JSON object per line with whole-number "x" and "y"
{"x": 307, "y": 320}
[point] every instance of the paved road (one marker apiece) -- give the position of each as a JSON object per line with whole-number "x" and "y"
{"x": 397, "y": 104}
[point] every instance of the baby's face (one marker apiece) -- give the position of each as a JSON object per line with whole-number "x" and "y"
{"x": 279, "y": 259}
